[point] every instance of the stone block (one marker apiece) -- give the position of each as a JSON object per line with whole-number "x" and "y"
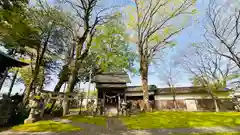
{"x": 29, "y": 120}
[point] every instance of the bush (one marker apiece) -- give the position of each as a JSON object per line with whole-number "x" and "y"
{"x": 57, "y": 111}
{"x": 18, "y": 116}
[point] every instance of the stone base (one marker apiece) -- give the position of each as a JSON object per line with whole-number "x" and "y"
{"x": 29, "y": 120}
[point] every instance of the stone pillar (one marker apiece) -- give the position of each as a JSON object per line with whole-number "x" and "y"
{"x": 119, "y": 103}
{"x": 98, "y": 110}
{"x": 42, "y": 110}
{"x": 32, "y": 118}
{"x": 124, "y": 108}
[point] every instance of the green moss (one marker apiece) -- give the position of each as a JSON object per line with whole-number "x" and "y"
{"x": 224, "y": 94}
{"x": 101, "y": 121}
{"x": 181, "y": 120}
{"x": 43, "y": 126}
{"x": 77, "y": 109}
{"x": 37, "y": 97}
{"x": 211, "y": 134}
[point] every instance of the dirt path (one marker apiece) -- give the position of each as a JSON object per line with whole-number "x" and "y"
{"x": 115, "y": 127}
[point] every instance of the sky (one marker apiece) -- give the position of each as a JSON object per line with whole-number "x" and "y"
{"x": 190, "y": 35}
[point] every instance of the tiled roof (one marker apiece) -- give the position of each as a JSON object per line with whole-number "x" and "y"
{"x": 10, "y": 61}
{"x": 112, "y": 77}
{"x": 182, "y": 90}
{"x": 139, "y": 88}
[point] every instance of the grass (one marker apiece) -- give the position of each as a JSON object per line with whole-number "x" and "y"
{"x": 181, "y": 120}
{"x": 211, "y": 134}
{"x": 43, "y": 126}
{"x": 100, "y": 121}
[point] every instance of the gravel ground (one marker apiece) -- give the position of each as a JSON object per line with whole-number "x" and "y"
{"x": 114, "y": 127}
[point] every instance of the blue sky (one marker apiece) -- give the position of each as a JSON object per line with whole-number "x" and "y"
{"x": 191, "y": 34}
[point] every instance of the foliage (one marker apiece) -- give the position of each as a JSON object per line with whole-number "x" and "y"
{"x": 92, "y": 93}
{"x": 224, "y": 133}
{"x": 43, "y": 126}
{"x": 181, "y": 120}
{"x": 56, "y": 111}
{"x": 16, "y": 30}
{"x": 111, "y": 48}
{"x": 101, "y": 121}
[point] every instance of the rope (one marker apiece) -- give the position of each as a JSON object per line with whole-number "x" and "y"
{"x": 111, "y": 96}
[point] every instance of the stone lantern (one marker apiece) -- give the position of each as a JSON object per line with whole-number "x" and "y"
{"x": 34, "y": 105}
{"x": 124, "y": 108}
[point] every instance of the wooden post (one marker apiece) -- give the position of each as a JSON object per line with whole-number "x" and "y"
{"x": 89, "y": 84}
{"x": 119, "y": 103}
{"x": 104, "y": 102}
{"x": 124, "y": 95}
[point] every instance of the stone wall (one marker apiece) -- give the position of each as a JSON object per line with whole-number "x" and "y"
{"x": 194, "y": 105}
{"x": 207, "y": 104}
{"x": 168, "y": 104}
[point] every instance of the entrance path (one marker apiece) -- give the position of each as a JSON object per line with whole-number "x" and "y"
{"x": 115, "y": 127}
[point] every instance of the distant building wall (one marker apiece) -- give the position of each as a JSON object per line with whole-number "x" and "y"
{"x": 192, "y": 102}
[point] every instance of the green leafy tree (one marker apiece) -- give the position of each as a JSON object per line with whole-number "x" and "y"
{"x": 111, "y": 47}
{"x": 16, "y": 29}
{"x": 110, "y": 51}
{"x": 51, "y": 25}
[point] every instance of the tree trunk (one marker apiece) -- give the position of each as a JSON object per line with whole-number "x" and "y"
{"x": 12, "y": 83}
{"x": 215, "y": 104}
{"x": 3, "y": 78}
{"x": 56, "y": 89}
{"x": 75, "y": 64}
{"x": 38, "y": 63}
{"x": 174, "y": 102}
{"x": 30, "y": 87}
{"x": 174, "y": 97}
{"x": 70, "y": 87}
{"x": 40, "y": 87}
{"x": 89, "y": 85}
{"x": 80, "y": 111}
{"x": 144, "y": 79}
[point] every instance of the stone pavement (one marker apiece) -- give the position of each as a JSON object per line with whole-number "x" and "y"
{"x": 114, "y": 127}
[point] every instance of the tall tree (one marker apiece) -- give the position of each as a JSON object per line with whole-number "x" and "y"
{"x": 110, "y": 51}
{"x": 111, "y": 48}
{"x": 154, "y": 27}
{"x": 15, "y": 29}
{"x": 222, "y": 30}
{"x": 87, "y": 22}
{"x": 50, "y": 23}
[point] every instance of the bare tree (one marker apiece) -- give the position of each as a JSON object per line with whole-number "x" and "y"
{"x": 222, "y": 30}
{"x": 211, "y": 71}
{"x": 154, "y": 29}
{"x": 170, "y": 77}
